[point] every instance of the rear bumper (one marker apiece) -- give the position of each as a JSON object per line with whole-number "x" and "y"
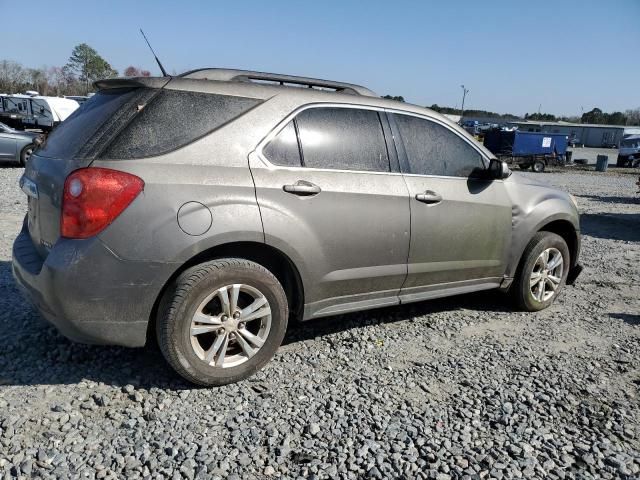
{"x": 87, "y": 292}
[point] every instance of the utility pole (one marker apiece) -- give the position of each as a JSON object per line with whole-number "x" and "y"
{"x": 464, "y": 94}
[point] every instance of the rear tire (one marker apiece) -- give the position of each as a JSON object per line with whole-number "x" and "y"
{"x": 527, "y": 290}
{"x": 205, "y": 329}
{"x": 25, "y": 154}
{"x": 538, "y": 166}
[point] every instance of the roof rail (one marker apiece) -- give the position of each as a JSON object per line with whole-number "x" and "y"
{"x": 229, "y": 75}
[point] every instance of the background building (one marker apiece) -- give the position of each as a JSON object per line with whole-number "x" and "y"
{"x": 590, "y": 135}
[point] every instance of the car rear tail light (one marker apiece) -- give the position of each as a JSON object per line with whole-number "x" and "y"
{"x": 93, "y": 198}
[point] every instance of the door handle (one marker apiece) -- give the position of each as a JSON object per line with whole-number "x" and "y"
{"x": 429, "y": 197}
{"x": 302, "y": 188}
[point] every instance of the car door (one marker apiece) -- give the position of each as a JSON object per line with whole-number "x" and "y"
{"x": 8, "y": 145}
{"x": 460, "y": 225}
{"x": 331, "y": 197}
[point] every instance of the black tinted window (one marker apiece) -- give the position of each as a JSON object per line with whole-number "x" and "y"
{"x": 342, "y": 138}
{"x": 435, "y": 150}
{"x": 283, "y": 149}
{"x": 174, "y": 119}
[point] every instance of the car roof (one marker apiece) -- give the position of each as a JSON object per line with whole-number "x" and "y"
{"x": 299, "y": 91}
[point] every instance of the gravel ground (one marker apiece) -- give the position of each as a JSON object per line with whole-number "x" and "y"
{"x": 455, "y": 388}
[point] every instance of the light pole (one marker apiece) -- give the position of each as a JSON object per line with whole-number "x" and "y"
{"x": 464, "y": 94}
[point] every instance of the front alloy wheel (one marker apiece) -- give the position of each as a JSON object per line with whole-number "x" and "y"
{"x": 542, "y": 272}
{"x": 546, "y": 275}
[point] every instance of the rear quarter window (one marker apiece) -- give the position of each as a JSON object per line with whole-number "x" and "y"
{"x": 124, "y": 123}
{"x": 174, "y": 119}
{"x": 81, "y": 129}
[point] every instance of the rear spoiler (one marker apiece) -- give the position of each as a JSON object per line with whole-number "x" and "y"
{"x": 134, "y": 82}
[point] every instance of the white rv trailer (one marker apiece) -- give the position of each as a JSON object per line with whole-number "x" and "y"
{"x": 13, "y": 109}
{"x": 47, "y": 112}
{"x": 35, "y": 111}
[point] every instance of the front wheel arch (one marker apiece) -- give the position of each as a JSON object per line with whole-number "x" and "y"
{"x": 560, "y": 226}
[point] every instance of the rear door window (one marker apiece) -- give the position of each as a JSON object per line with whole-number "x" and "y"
{"x": 342, "y": 138}
{"x": 433, "y": 149}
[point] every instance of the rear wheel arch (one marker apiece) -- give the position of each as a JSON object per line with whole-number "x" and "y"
{"x": 274, "y": 260}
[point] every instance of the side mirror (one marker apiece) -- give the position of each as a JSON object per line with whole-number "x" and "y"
{"x": 498, "y": 169}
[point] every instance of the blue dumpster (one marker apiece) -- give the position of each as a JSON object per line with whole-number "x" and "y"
{"x": 522, "y": 144}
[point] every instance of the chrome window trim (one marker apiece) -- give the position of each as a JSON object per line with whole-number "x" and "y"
{"x": 283, "y": 123}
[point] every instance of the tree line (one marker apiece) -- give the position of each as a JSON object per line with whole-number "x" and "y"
{"x": 85, "y": 66}
{"x": 595, "y": 116}
{"x": 76, "y": 77}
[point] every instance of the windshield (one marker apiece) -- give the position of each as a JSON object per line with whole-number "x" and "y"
{"x": 635, "y": 143}
{"x": 6, "y": 128}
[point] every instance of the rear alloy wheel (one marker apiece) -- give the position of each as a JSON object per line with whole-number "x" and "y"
{"x": 224, "y": 333}
{"x": 222, "y": 321}
{"x": 25, "y": 154}
{"x": 542, "y": 273}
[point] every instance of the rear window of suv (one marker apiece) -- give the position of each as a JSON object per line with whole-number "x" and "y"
{"x": 141, "y": 122}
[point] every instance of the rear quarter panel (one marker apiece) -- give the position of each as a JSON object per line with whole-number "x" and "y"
{"x": 213, "y": 171}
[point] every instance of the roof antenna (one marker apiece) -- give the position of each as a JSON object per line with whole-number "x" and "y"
{"x": 164, "y": 72}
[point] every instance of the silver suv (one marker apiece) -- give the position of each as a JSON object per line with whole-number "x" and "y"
{"x": 212, "y": 208}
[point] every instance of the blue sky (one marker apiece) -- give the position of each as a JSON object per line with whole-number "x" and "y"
{"x": 512, "y": 55}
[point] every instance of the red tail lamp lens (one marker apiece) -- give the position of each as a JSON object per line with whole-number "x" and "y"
{"x": 93, "y": 198}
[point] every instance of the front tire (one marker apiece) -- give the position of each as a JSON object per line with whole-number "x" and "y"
{"x": 25, "y": 154}
{"x": 542, "y": 272}
{"x": 222, "y": 321}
